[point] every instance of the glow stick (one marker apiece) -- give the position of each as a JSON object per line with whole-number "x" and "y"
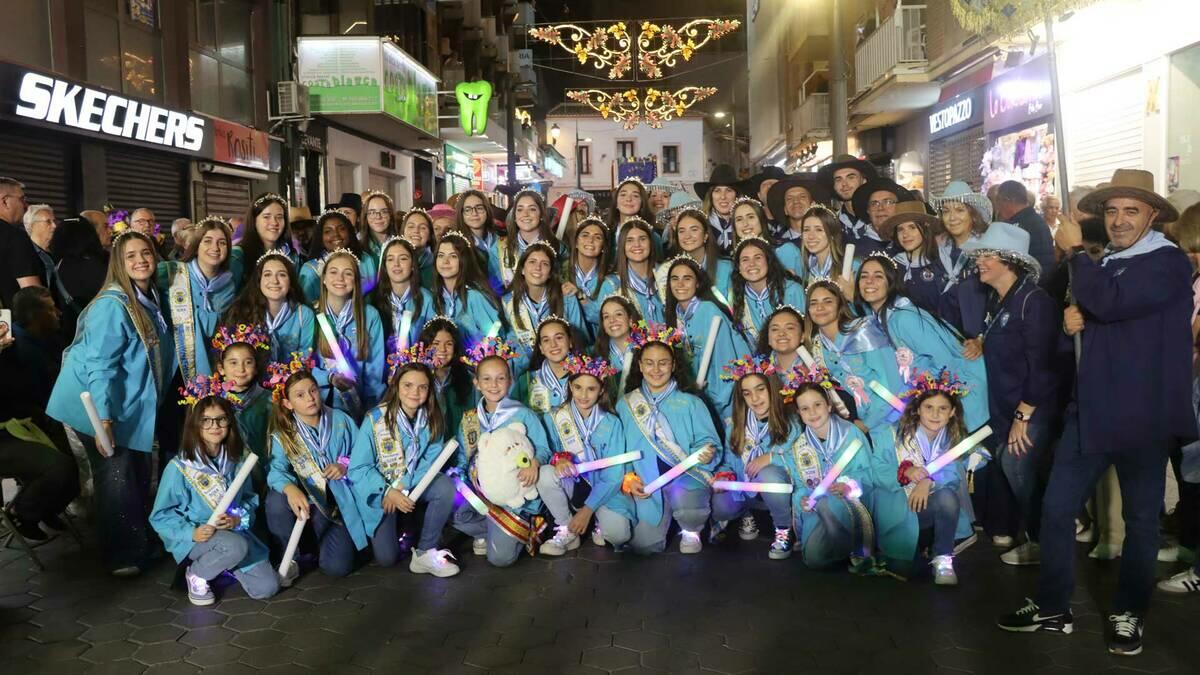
{"x": 744, "y": 486}
{"x": 848, "y": 262}
{"x": 339, "y": 357}
{"x": 293, "y": 543}
{"x": 103, "y": 443}
{"x": 563, "y": 217}
{"x": 472, "y": 498}
{"x": 405, "y": 328}
{"x": 836, "y": 470}
{"x": 709, "y": 346}
{"x": 674, "y": 472}
{"x": 626, "y": 364}
{"x": 234, "y": 488}
{"x": 494, "y": 331}
{"x": 719, "y": 296}
{"x": 966, "y": 445}
{"x": 886, "y": 395}
{"x": 434, "y": 469}
{"x": 584, "y": 467}
{"x": 806, "y": 356}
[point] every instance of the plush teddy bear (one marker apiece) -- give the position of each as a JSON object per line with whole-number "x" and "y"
{"x": 502, "y": 454}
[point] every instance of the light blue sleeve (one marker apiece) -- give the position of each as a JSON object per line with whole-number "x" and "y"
{"x": 607, "y": 482}
{"x": 310, "y": 283}
{"x": 366, "y": 482}
{"x": 793, "y": 294}
{"x": 574, "y": 316}
{"x": 482, "y": 314}
{"x": 536, "y": 432}
{"x": 281, "y": 473}
{"x": 555, "y": 443}
{"x": 106, "y": 337}
{"x": 169, "y": 516}
{"x": 610, "y": 286}
{"x": 374, "y": 368}
{"x": 308, "y": 328}
{"x": 703, "y": 433}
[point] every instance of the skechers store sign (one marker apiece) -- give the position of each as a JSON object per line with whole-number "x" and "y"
{"x": 957, "y": 114}
{"x": 48, "y": 100}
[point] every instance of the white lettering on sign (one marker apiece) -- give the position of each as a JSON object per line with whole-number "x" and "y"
{"x": 947, "y": 117}
{"x": 46, "y": 99}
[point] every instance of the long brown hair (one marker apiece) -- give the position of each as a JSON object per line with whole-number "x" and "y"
{"x": 252, "y": 245}
{"x": 711, "y": 250}
{"x": 433, "y": 411}
{"x": 489, "y": 225}
{"x": 704, "y": 290}
{"x": 614, "y": 213}
{"x": 622, "y": 266}
{"x": 604, "y": 402}
{"x": 469, "y": 275}
{"x": 833, "y": 232}
{"x": 520, "y": 289}
{"x": 203, "y": 227}
{"x": 511, "y": 233}
{"x": 910, "y": 420}
{"x": 844, "y": 316}
{"x": 777, "y": 275}
{"x": 603, "y": 341}
{"x": 603, "y": 264}
{"x": 383, "y": 288}
{"x": 191, "y": 440}
{"x": 779, "y": 419}
{"x": 118, "y": 276}
{"x": 281, "y": 418}
{"x": 251, "y": 305}
{"x": 764, "y": 336}
{"x": 362, "y": 349}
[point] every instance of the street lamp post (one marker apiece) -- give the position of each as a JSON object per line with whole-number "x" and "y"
{"x": 839, "y": 108}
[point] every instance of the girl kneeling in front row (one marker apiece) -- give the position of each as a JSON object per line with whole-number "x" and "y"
{"x": 193, "y": 484}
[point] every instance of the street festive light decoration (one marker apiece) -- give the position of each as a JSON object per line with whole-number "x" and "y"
{"x": 606, "y": 47}
{"x": 661, "y": 45}
{"x": 631, "y": 108}
{"x": 1007, "y": 17}
{"x": 612, "y": 47}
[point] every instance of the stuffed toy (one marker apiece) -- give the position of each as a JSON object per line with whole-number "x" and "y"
{"x": 502, "y": 454}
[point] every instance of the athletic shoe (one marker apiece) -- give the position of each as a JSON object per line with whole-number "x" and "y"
{"x": 562, "y": 542}
{"x": 198, "y": 591}
{"x": 1029, "y": 553}
{"x": 943, "y": 571}
{"x": 1125, "y": 634}
{"x": 1168, "y": 554}
{"x": 1002, "y": 541}
{"x": 479, "y": 546}
{"x": 1029, "y": 619}
{"x": 435, "y": 561}
{"x": 1086, "y": 535}
{"x": 781, "y": 548}
{"x": 1105, "y": 552}
{"x": 1184, "y": 582}
{"x": 689, "y": 542}
{"x": 598, "y": 536}
{"x": 748, "y": 529}
{"x": 289, "y": 577}
{"x": 966, "y": 543}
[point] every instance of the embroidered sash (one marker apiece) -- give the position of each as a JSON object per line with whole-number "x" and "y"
{"x": 309, "y": 472}
{"x": 524, "y": 335}
{"x": 179, "y": 298}
{"x": 568, "y": 432}
{"x": 389, "y": 454}
{"x": 539, "y": 395}
{"x": 528, "y": 532}
{"x": 506, "y": 273}
{"x": 748, "y": 326}
{"x": 470, "y": 432}
{"x": 641, "y": 414}
{"x": 210, "y": 486}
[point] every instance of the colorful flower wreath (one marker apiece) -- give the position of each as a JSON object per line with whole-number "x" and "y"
{"x": 945, "y": 382}
{"x": 247, "y": 334}
{"x": 417, "y": 353}
{"x": 644, "y": 334}
{"x": 582, "y": 364}
{"x": 749, "y": 364}
{"x": 278, "y": 373}
{"x": 801, "y": 374}
{"x": 203, "y": 386}
{"x": 487, "y": 348}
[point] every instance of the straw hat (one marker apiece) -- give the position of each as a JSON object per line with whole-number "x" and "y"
{"x": 1131, "y": 184}
{"x": 909, "y": 212}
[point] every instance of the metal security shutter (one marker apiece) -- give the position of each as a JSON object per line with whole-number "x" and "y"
{"x": 1104, "y": 129}
{"x": 226, "y": 196}
{"x": 147, "y": 179}
{"x": 955, "y": 158}
{"x": 44, "y": 166}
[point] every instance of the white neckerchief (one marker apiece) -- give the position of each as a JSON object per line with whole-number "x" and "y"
{"x": 757, "y": 434}
{"x": 545, "y": 375}
{"x": 490, "y": 422}
{"x": 317, "y": 439}
{"x": 931, "y": 449}
{"x": 654, "y": 424}
{"x": 1152, "y": 241}
{"x": 587, "y": 427}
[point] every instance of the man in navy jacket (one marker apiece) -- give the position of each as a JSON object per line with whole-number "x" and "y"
{"x": 1013, "y": 206}
{"x": 1132, "y": 401}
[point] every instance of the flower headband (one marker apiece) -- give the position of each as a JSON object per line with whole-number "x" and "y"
{"x": 273, "y": 253}
{"x": 882, "y": 258}
{"x": 582, "y": 364}
{"x": 487, "y": 348}
{"x": 800, "y": 375}
{"x": 644, "y": 334}
{"x": 203, "y": 386}
{"x": 270, "y": 197}
{"x": 249, "y": 334}
{"x": 747, "y": 365}
{"x": 458, "y": 235}
{"x": 278, "y": 373}
{"x": 417, "y": 353}
{"x": 945, "y": 382}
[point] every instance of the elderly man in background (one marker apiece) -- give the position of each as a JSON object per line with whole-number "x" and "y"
{"x": 19, "y": 264}
{"x": 181, "y": 233}
{"x": 1051, "y": 207}
{"x": 40, "y": 223}
{"x": 99, "y": 222}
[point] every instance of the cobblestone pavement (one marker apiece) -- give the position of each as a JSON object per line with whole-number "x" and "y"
{"x": 727, "y": 610}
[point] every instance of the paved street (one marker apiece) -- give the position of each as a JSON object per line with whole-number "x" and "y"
{"x": 587, "y": 613}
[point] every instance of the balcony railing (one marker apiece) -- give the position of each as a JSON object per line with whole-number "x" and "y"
{"x": 899, "y": 43}
{"x": 811, "y": 118}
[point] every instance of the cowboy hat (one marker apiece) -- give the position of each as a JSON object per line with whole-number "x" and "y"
{"x": 349, "y": 200}
{"x": 297, "y": 213}
{"x": 679, "y": 201}
{"x": 778, "y": 192}
{"x": 909, "y": 212}
{"x": 825, "y": 173}
{"x": 663, "y": 185}
{"x": 863, "y": 195}
{"x": 1007, "y": 242}
{"x": 1131, "y": 184}
{"x": 959, "y": 191}
{"x": 754, "y": 183}
{"x": 722, "y": 175}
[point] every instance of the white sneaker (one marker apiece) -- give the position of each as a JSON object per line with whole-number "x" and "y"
{"x": 479, "y": 546}
{"x": 1184, "y": 582}
{"x": 435, "y": 561}
{"x": 1085, "y": 536}
{"x": 943, "y": 571}
{"x": 1002, "y": 541}
{"x": 966, "y": 543}
{"x": 781, "y": 548}
{"x": 1168, "y": 554}
{"x": 598, "y": 536}
{"x": 564, "y": 540}
{"x": 289, "y": 577}
{"x": 198, "y": 591}
{"x": 1029, "y": 553}
{"x": 689, "y": 542}
{"x": 748, "y": 529}
{"x": 1105, "y": 552}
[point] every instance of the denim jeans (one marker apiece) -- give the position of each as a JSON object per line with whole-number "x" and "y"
{"x": 832, "y": 539}
{"x": 1142, "y": 476}
{"x": 502, "y": 548}
{"x": 557, "y": 493}
{"x": 690, "y": 507}
{"x": 941, "y": 514}
{"x": 336, "y": 550}
{"x": 438, "y": 499}
{"x": 727, "y": 506}
{"x": 224, "y": 551}
{"x": 1023, "y": 474}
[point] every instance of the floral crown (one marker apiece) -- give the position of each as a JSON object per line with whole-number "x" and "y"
{"x": 881, "y": 257}
{"x": 278, "y": 373}
{"x": 458, "y": 235}
{"x": 553, "y": 318}
{"x": 202, "y": 386}
{"x": 417, "y": 353}
{"x": 582, "y": 364}
{"x": 487, "y": 348}
{"x": 249, "y": 334}
{"x": 643, "y": 334}
{"x": 944, "y": 382}
{"x": 270, "y": 197}
{"x": 747, "y": 200}
{"x": 800, "y": 375}
{"x": 273, "y": 253}
{"x": 747, "y": 365}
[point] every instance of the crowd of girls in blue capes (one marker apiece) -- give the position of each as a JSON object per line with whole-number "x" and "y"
{"x": 839, "y": 361}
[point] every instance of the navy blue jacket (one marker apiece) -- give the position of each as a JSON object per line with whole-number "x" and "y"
{"x": 1041, "y": 244}
{"x": 1134, "y": 383}
{"x": 926, "y": 285}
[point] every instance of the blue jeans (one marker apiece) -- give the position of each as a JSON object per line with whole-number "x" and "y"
{"x": 557, "y": 494}
{"x": 335, "y": 555}
{"x": 225, "y": 551}
{"x": 502, "y": 548}
{"x": 941, "y": 513}
{"x": 1022, "y": 474}
{"x": 438, "y": 499}
{"x": 1072, "y": 480}
{"x": 729, "y": 505}
{"x": 688, "y": 506}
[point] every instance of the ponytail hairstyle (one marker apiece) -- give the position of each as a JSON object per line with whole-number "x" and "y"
{"x": 363, "y": 347}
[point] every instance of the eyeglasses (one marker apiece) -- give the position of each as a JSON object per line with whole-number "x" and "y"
{"x": 881, "y": 202}
{"x": 377, "y": 212}
{"x": 209, "y": 422}
{"x": 143, "y": 221}
{"x": 481, "y": 209}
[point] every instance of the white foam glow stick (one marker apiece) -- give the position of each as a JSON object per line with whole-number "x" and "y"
{"x": 494, "y": 331}
{"x": 626, "y": 364}
{"x": 744, "y": 486}
{"x": 674, "y": 472}
{"x": 447, "y": 451}
{"x": 848, "y": 262}
{"x": 563, "y": 217}
{"x": 405, "y": 328}
{"x": 886, "y": 395}
{"x": 472, "y": 498}
{"x": 966, "y": 445}
{"x": 709, "y": 346}
{"x": 234, "y": 488}
{"x": 806, "y": 356}
{"x": 836, "y": 470}
{"x": 293, "y": 543}
{"x": 339, "y": 357}
{"x": 103, "y": 444}
{"x": 584, "y": 467}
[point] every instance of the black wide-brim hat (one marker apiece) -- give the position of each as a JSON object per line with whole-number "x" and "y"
{"x": 753, "y": 183}
{"x": 808, "y": 181}
{"x": 825, "y": 173}
{"x": 350, "y": 200}
{"x": 863, "y": 194}
{"x": 722, "y": 175}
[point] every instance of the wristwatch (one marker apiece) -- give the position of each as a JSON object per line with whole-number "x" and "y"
{"x": 1020, "y": 416}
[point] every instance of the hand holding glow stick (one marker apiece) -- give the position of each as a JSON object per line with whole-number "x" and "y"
{"x": 848, "y": 262}
{"x": 472, "y": 498}
{"x": 293, "y": 542}
{"x": 709, "y": 346}
{"x": 886, "y": 395}
{"x": 235, "y": 486}
{"x": 339, "y": 357}
{"x": 103, "y": 442}
{"x": 564, "y": 217}
{"x": 745, "y": 486}
{"x": 447, "y": 451}
{"x": 584, "y": 467}
{"x": 966, "y": 445}
{"x": 405, "y": 328}
{"x": 674, "y": 472}
{"x": 835, "y": 471}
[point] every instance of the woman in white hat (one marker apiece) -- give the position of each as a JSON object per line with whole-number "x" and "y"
{"x": 965, "y": 215}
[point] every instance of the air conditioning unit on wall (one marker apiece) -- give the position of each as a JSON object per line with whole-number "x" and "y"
{"x": 291, "y": 99}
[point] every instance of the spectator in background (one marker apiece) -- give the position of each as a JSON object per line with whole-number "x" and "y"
{"x": 1013, "y": 206}
{"x": 19, "y": 264}
{"x": 181, "y": 234}
{"x": 99, "y": 223}
{"x": 1076, "y": 194}
{"x": 443, "y": 219}
{"x": 41, "y": 224}
{"x": 82, "y": 262}
{"x": 1051, "y": 207}
{"x": 304, "y": 226}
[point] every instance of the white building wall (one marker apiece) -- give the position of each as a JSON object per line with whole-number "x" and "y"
{"x": 353, "y": 165}
{"x": 764, "y": 37}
